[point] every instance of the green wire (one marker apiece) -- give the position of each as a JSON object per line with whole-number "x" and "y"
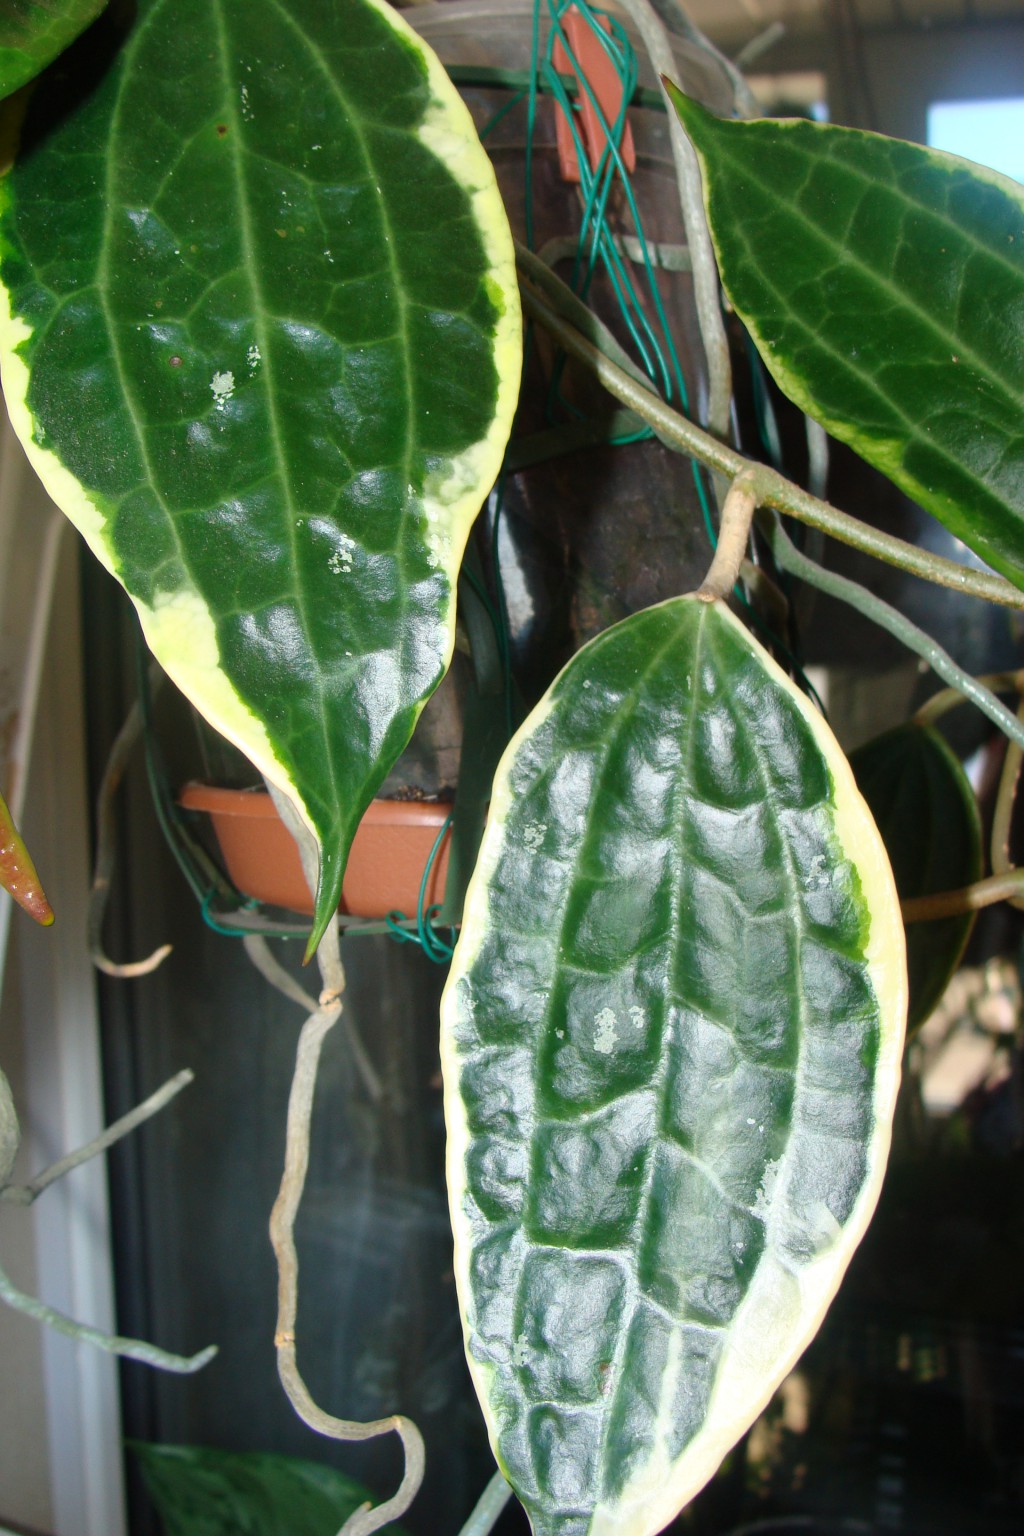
{"x": 425, "y": 935}
{"x": 503, "y": 112}
{"x": 597, "y": 189}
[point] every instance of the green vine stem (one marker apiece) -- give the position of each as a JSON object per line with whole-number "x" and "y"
{"x": 489, "y": 1506}
{"x": 734, "y": 533}
{"x": 111, "y": 1343}
{"x": 886, "y": 617}
{"x": 1002, "y": 816}
{"x": 773, "y": 489}
{"x": 933, "y": 709}
{"x": 260, "y": 955}
{"x": 971, "y": 898}
{"x": 707, "y": 299}
{"x": 367, "y": 1519}
{"x": 25, "y": 1194}
{"x": 120, "y": 753}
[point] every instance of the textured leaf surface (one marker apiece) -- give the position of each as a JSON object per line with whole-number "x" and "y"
{"x": 671, "y": 1042}
{"x": 34, "y": 32}
{"x": 18, "y": 873}
{"x": 263, "y": 349}
{"x": 884, "y": 286}
{"x": 926, "y": 812}
{"x": 206, "y": 1492}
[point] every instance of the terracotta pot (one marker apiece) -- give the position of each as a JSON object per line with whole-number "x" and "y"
{"x": 385, "y": 867}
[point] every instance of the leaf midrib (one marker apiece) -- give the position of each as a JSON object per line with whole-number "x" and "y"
{"x": 260, "y": 309}
{"x": 626, "y": 708}
{"x": 841, "y": 427}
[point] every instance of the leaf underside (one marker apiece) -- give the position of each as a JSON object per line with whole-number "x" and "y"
{"x": 883, "y": 284}
{"x": 34, "y": 32}
{"x": 263, "y": 349}
{"x": 925, "y": 810}
{"x": 671, "y": 1042}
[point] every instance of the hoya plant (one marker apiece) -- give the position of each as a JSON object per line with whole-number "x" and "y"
{"x": 261, "y": 340}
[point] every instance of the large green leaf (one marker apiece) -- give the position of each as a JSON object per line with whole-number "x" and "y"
{"x": 671, "y": 1042}
{"x": 262, "y": 347}
{"x": 925, "y": 810}
{"x": 34, "y": 32}
{"x": 884, "y": 286}
{"x": 202, "y": 1491}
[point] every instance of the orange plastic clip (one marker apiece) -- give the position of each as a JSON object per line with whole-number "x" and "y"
{"x": 593, "y": 65}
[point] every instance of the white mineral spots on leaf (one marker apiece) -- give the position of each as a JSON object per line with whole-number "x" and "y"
{"x": 343, "y": 558}
{"x": 819, "y": 876}
{"x": 533, "y": 834}
{"x": 560, "y": 1033}
{"x": 763, "y": 1204}
{"x": 254, "y": 357}
{"x": 222, "y": 387}
{"x": 246, "y": 106}
{"x": 636, "y": 1013}
{"x": 605, "y": 1038}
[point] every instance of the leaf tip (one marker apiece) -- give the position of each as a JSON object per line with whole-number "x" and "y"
{"x": 328, "y": 896}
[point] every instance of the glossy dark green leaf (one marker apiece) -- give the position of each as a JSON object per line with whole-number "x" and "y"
{"x": 926, "y": 812}
{"x": 34, "y": 32}
{"x": 263, "y": 349}
{"x": 883, "y": 285}
{"x": 205, "y": 1492}
{"x": 671, "y": 1042}
{"x": 18, "y": 873}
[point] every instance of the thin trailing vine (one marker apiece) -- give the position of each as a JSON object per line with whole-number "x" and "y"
{"x": 282, "y": 1225}
{"x": 120, "y": 753}
{"x": 658, "y": 46}
{"x": 321, "y": 1020}
{"x": 969, "y": 898}
{"x": 1006, "y": 883}
{"x": 773, "y": 489}
{"x": 110, "y": 1343}
{"x": 789, "y": 558}
{"x": 488, "y": 1507}
{"x": 25, "y": 1194}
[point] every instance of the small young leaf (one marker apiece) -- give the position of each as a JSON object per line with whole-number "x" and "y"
{"x": 34, "y": 32}
{"x": 925, "y": 809}
{"x": 262, "y": 348}
{"x": 200, "y": 1491}
{"x": 883, "y": 285}
{"x": 671, "y": 1041}
{"x": 18, "y": 873}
